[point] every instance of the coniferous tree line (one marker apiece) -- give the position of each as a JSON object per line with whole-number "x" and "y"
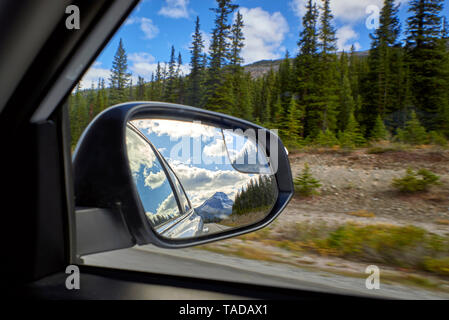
{"x": 321, "y": 96}
{"x": 261, "y": 191}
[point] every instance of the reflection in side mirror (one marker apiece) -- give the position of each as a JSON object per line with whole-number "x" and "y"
{"x": 196, "y": 180}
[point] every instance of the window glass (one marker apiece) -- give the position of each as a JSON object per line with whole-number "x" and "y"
{"x": 152, "y": 184}
{"x": 358, "y": 91}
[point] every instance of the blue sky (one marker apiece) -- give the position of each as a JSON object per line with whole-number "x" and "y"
{"x": 272, "y": 27}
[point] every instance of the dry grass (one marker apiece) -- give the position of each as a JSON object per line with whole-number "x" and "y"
{"x": 246, "y": 252}
{"x": 442, "y": 222}
{"x": 362, "y": 214}
{"x": 404, "y": 247}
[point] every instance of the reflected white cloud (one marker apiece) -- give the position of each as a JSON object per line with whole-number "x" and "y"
{"x": 176, "y": 129}
{"x": 139, "y": 154}
{"x": 168, "y": 207}
{"x": 155, "y": 180}
{"x": 215, "y": 149}
{"x": 166, "y": 211}
{"x": 201, "y": 184}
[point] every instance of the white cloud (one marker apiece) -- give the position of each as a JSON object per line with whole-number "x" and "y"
{"x": 144, "y": 64}
{"x": 155, "y": 180}
{"x": 143, "y": 69}
{"x": 175, "y": 9}
{"x": 344, "y": 36}
{"x": 92, "y": 75}
{"x": 147, "y": 26}
{"x": 264, "y": 33}
{"x": 207, "y": 41}
{"x": 299, "y": 7}
{"x": 348, "y": 11}
{"x": 138, "y": 57}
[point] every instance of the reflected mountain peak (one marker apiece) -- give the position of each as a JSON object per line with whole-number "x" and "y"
{"x": 221, "y": 195}
{"x": 216, "y": 208}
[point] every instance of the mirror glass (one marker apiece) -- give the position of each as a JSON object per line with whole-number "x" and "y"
{"x": 195, "y": 179}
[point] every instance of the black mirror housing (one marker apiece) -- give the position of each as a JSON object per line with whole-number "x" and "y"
{"x": 103, "y": 179}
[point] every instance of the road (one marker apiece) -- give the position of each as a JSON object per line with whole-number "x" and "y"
{"x": 204, "y": 264}
{"x": 215, "y": 228}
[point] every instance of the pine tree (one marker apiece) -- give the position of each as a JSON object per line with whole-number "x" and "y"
{"x": 241, "y": 86}
{"x": 222, "y": 99}
{"x": 220, "y": 46}
{"x": 219, "y": 50}
{"x": 158, "y": 85}
{"x": 140, "y": 94}
{"x": 346, "y": 99}
{"x": 120, "y": 77}
{"x": 305, "y": 184}
{"x": 384, "y": 77}
{"x": 426, "y": 58}
{"x": 351, "y": 137}
{"x": 306, "y": 68}
{"x": 285, "y": 88}
{"x": 131, "y": 90}
{"x": 237, "y": 42}
{"x": 354, "y": 76}
{"x": 327, "y": 38}
{"x": 104, "y": 94}
{"x": 78, "y": 114}
{"x": 323, "y": 111}
{"x": 308, "y": 42}
{"x": 293, "y": 129}
{"x": 242, "y": 93}
{"x": 266, "y": 99}
{"x": 277, "y": 113}
{"x": 91, "y": 103}
{"x": 196, "y": 73}
{"x": 379, "y": 131}
{"x": 99, "y": 99}
{"x": 326, "y": 139}
{"x": 170, "y": 90}
{"x": 180, "y": 92}
{"x": 413, "y": 133}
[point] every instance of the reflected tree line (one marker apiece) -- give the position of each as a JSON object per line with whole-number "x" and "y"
{"x": 257, "y": 196}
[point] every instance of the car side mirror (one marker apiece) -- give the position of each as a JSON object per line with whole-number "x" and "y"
{"x": 175, "y": 176}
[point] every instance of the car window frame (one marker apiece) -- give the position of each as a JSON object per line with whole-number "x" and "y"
{"x": 184, "y": 193}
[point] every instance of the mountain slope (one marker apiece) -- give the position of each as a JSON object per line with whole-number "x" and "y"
{"x": 260, "y": 68}
{"x": 216, "y": 208}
